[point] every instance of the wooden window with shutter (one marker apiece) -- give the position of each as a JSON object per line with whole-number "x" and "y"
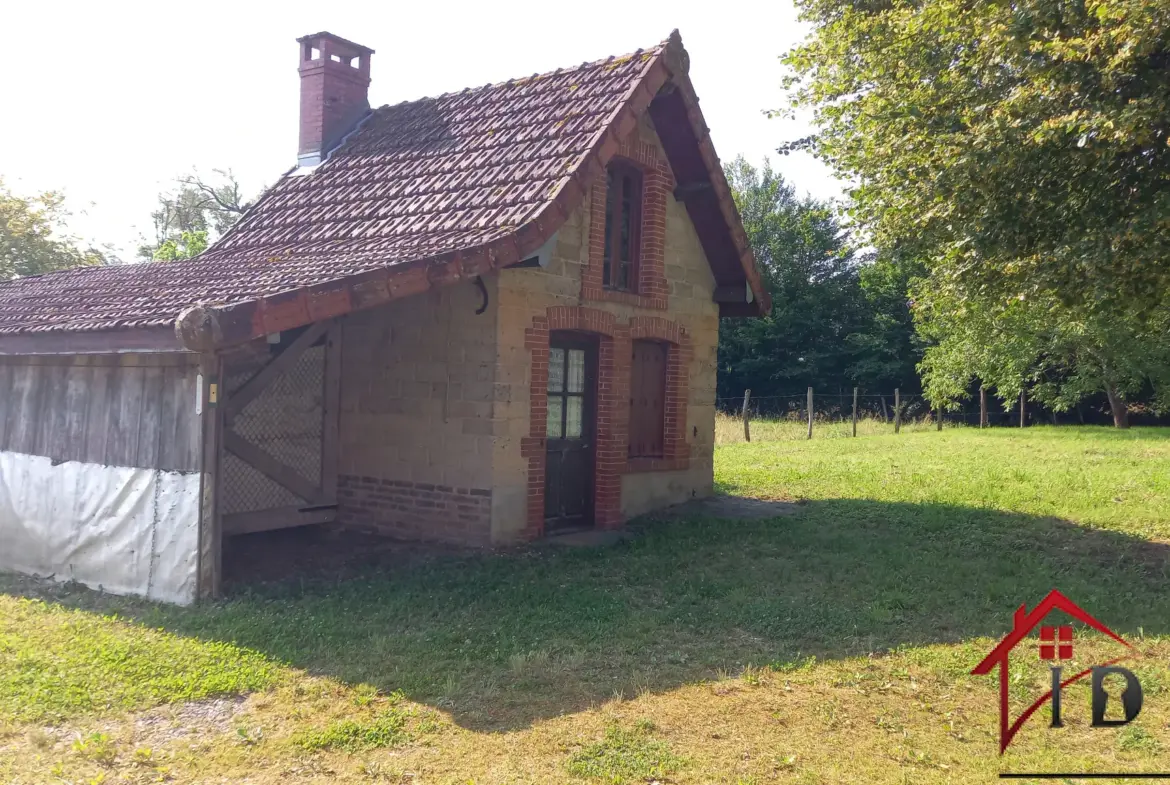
{"x": 648, "y": 399}
{"x": 623, "y": 227}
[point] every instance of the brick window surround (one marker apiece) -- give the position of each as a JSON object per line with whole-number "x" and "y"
{"x": 614, "y": 357}
{"x": 676, "y": 453}
{"x": 652, "y": 289}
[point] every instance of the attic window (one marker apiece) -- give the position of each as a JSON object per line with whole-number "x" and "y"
{"x": 623, "y": 225}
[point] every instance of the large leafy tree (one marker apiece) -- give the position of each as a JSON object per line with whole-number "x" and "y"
{"x": 1023, "y": 144}
{"x": 810, "y": 271}
{"x": 1021, "y": 150}
{"x": 190, "y": 216}
{"x": 1058, "y": 354}
{"x": 34, "y": 237}
{"x": 886, "y": 350}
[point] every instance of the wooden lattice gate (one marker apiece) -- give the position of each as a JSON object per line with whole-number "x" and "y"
{"x": 279, "y": 450}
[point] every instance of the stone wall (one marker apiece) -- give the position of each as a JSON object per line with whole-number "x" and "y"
{"x": 417, "y": 428}
{"x": 527, "y": 296}
{"x": 438, "y": 438}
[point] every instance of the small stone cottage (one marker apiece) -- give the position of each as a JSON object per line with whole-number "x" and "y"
{"x": 480, "y": 318}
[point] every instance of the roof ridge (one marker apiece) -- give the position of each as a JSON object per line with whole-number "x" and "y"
{"x": 656, "y": 49}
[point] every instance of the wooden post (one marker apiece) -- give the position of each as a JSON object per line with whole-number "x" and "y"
{"x": 331, "y": 411}
{"x": 747, "y": 428}
{"x": 810, "y": 412}
{"x": 982, "y": 406}
{"x": 897, "y": 410}
{"x": 210, "y": 555}
{"x": 855, "y": 411}
{"x": 1022, "y": 405}
{"x": 938, "y": 417}
{"x": 885, "y": 411}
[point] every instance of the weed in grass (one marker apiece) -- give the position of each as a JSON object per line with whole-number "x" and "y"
{"x": 144, "y": 757}
{"x": 753, "y": 676}
{"x": 624, "y": 756}
{"x": 375, "y": 771}
{"x": 386, "y": 729}
{"x": 1135, "y": 738}
{"x": 364, "y": 695}
{"x": 645, "y": 725}
{"x": 96, "y": 747}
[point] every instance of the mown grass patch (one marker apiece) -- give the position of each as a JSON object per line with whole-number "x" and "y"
{"x": 387, "y": 728}
{"x": 58, "y": 663}
{"x": 833, "y": 645}
{"x": 625, "y": 755}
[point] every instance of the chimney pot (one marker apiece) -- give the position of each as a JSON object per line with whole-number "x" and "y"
{"x": 335, "y": 82}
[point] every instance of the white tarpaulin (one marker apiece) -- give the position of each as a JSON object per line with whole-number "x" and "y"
{"x": 125, "y": 531}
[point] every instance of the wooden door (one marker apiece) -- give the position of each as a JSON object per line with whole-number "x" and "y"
{"x": 572, "y": 426}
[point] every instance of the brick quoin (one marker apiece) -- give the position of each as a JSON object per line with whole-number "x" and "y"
{"x": 653, "y": 289}
{"x": 611, "y": 454}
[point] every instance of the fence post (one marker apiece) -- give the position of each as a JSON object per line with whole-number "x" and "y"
{"x": 938, "y": 415}
{"x": 1022, "y": 404}
{"x": 810, "y": 412}
{"x": 982, "y": 406}
{"x": 855, "y": 411}
{"x": 747, "y": 428}
{"x": 897, "y": 410}
{"x": 885, "y": 411}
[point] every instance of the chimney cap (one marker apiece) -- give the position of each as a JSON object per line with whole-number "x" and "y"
{"x": 313, "y": 37}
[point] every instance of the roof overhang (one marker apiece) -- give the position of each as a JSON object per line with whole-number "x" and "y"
{"x": 161, "y": 338}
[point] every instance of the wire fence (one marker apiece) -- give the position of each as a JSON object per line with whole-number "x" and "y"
{"x": 847, "y": 413}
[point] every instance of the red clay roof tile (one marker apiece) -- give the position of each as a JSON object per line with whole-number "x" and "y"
{"x": 414, "y": 181}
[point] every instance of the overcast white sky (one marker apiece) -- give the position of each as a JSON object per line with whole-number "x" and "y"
{"x": 109, "y": 101}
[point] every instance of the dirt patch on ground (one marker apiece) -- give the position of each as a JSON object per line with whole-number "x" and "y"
{"x": 335, "y": 553}
{"x": 210, "y": 717}
{"x": 320, "y": 552}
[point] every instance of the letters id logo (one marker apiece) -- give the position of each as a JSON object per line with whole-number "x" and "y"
{"x": 1055, "y": 647}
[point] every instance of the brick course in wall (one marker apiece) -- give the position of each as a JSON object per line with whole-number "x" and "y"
{"x": 416, "y": 510}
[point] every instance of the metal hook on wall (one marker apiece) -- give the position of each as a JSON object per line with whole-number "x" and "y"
{"x": 483, "y": 290}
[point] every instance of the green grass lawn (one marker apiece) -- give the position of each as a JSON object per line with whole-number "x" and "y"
{"x": 830, "y": 645}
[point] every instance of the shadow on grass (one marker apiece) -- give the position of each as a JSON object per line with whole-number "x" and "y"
{"x": 501, "y": 641}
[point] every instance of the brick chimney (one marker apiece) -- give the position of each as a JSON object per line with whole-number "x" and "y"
{"x": 335, "y": 78}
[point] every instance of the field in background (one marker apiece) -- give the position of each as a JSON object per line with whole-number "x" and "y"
{"x": 830, "y": 642}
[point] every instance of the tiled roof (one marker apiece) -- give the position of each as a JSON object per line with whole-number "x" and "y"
{"x": 431, "y": 179}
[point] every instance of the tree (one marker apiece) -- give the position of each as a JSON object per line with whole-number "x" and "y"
{"x": 1020, "y": 147}
{"x": 886, "y": 349}
{"x": 33, "y": 236}
{"x": 1021, "y": 151}
{"x": 812, "y": 275}
{"x": 190, "y": 217}
{"x": 1059, "y": 354}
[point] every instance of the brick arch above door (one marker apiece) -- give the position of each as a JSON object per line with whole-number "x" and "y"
{"x": 612, "y": 437}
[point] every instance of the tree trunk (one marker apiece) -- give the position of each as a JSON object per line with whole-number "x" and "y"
{"x": 1118, "y": 407}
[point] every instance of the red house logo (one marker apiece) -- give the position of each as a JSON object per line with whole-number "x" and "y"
{"x": 1056, "y": 646}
